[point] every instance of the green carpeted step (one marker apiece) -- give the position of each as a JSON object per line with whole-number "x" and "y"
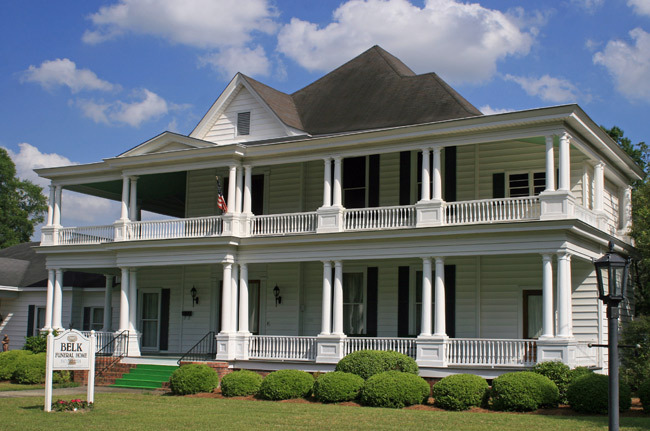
{"x": 145, "y": 376}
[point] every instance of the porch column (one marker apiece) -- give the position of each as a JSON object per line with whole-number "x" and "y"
{"x": 440, "y": 326}
{"x": 108, "y": 301}
{"x": 564, "y": 295}
{"x": 58, "y": 300}
{"x": 133, "y": 299}
{"x": 547, "y": 296}
{"x": 565, "y": 163}
{"x": 133, "y": 199}
{"x": 50, "y": 206}
{"x": 226, "y": 294}
{"x": 327, "y": 183}
{"x": 56, "y": 217}
{"x": 426, "y": 178}
{"x": 337, "y": 327}
{"x": 247, "y": 189}
{"x": 243, "y": 298}
{"x": 232, "y": 187}
{"x": 599, "y": 186}
{"x": 51, "y": 274}
{"x": 550, "y": 164}
{"x": 337, "y": 182}
{"x": 425, "y": 327}
{"x": 125, "y": 198}
{"x": 326, "y": 318}
{"x": 239, "y": 191}
{"x": 124, "y": 300}
{"x": 233, "y": 296}
{"x": 437, "y": 177}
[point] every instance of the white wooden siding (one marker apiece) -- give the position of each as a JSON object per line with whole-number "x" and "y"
{"x": 611, "y": 204}
{"x": 285, "y": 189}
{"x": 389, "y": 179}
{"x": 466, "y": 172}
{"x": 201, "y": 193}
{"x": 313, "y": 185}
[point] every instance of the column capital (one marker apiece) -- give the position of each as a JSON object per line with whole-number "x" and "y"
{"x": 338, "y": 263}
{"x": 549, "y": 139}
{"x": 547, "y": 257}
{"x": 566, "y": 135}
{"x": 426, "y": 259}
{"x": 439, "y": 259}
{"x": 436, "y": 149}
{"x": 247, "y": 166}
{"x": 327, "y": 159}
{"x": 563, "y": 255}
{"x": 133, "y": 177}
{"x": 327, "y": 262}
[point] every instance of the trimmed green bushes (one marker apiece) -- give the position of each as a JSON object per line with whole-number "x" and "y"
{"x": 337, "y": 387}
{"x": 30, "y": 369}
{"x": 523, "y": 391}
{"x": 394, "y": 389}
{"x": 559, "y": 373}
{"x": 192, "y": 379}
{"x": 367, "y": 363}
{"x": 240, "y": 383}
{"x": 589, "y": 394}
{"x": 644, "y": 395}
{"x": 460, "y": 392}
{"x": 635, "y": 363}
{"x": 286, "y": 384}
{"x": 8, "y": 362}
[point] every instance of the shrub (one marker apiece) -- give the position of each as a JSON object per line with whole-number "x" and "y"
{"x": 635, "y": 363}
{"x": 286, "y": 384}
{"x": 590, "y": 393}
{"x": 37, "y": 344}
{"x": 523, "y": 391}
{"x": 30, "y": 369}
{"x": 240, "y": 383}
{"x": 61, "y": 376}
{"x": 644, "y": 395}
{"x": 8, "y": 362}
{"x": 337, "y": 386}
{"x": 579, "y": 372}
{"x": 394, "y": 389}
{"x": 559, "y": 373}
{"x": 192, "y": 379}
{"x": 367, "y": 363}
{"x": 460, "y": 392}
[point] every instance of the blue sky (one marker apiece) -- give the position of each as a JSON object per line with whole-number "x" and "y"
{"x": 81, "y": 80}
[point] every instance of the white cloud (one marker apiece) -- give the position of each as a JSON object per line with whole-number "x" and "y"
{"x": 629, "y": 65}
{"x": 641, "y": 7}
{"x": 231, "y": 60}
{"x": 488, "y": 110}
{"x": 64, "y": 72}
{"x": 460, "y": 41}
{"x": 588, "y": 5}
{"x": 547, "y": 88}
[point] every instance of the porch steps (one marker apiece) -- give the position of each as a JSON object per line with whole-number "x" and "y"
{"x": 145, "y": 376}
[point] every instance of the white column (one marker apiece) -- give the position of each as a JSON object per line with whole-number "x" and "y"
{"x": 125, "y": 198}
{"x": 56, "y": 217}
{"x": 547, "y": 296}
{"x": 233, "y": 296}
{"x": 133, "y": 199}
{"x": 425, "y": 327}
{"x": 247, "y": 189}
{"x": 440, "y": 328}
{"x": 425, "y": 194}
{"x": 337, "y": 182}
{"x": 565, "y": 163}
{"x": 327, "y": 183}
{"x": 437, "y": 176}
{"x": 599, "y": 186}
{"x": 108, "y": 301}
{"x": 337, "y": 314}
{"x": 239, "y": 191}
{"x": 50, "y": 206}
{"x": 226, "y": 294}
{"x": 326, "y": 318}
{"x": 58, "y": 300}
{"x": 51, "y": 274}
{"x": 232, "y": 187}
{"x": 243, "y": 298}
{"x": 564, "y": 295}
{"x": 133, "y": 299}
{"x": 550, "y": 164}
{"x": 124, "y": 300}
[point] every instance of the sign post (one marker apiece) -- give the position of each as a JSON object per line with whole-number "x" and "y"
{"x": 70, "y": 350}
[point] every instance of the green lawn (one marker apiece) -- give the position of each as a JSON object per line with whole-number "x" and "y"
{"x": 148, "y": 411}
{"x": 8, "y": 386}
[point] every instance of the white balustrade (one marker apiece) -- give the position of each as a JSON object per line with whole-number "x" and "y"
{"x": 196, "y": 227}
{"x": 282, "y": 224}
{"x": 406, "y": 346}
{"x": 101, "y": 338}
{"x": 380, "y": 218}
{"x": 494, "y": 352}
{"x": 492, "y": 210}
{"x": 86, "y": 235}
{"x": 292, "y": 348}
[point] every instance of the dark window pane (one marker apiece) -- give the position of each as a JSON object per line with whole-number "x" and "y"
{"x": 354, "y": 172}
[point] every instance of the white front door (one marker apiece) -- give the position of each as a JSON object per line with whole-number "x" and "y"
{"x": 149, "y": 322}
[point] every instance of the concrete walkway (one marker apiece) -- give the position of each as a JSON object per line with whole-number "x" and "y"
{"x": 79, "y": 390}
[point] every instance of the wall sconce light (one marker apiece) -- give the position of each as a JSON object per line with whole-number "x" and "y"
{"x": 195, "y": 299}
{"x": 276, "y": 293}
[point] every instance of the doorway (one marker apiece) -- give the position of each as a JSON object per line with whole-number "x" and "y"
{"x": 149, "y": 322}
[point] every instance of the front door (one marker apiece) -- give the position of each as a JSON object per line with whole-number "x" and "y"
{"x": 150, "y": 320}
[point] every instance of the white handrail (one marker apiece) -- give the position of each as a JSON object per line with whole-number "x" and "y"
{"x": 294, "y": 348}
{"x": 491, "y": 352}
{"x": 492, "y": 210}
{"x": 406, "y": 346}
{"x": 86, "y": 235}
{"x": 176, "y": 228}
{"x": 282, "y": 224}
{"x": 380, "y": 218}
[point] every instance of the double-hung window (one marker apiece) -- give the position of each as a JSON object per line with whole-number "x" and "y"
{"x": 526, "y": 184}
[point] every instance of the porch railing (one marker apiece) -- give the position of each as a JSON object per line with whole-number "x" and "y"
{"x": 112, "y": 352}
{"x": 101, "y": 338}
{"x": 406, "y": 346}
{"x": 492, "y": 210}
{"x": 204, "y": 350}
{"x": 380, "y": 218}
{"x": 495, "y": 352}
{"x": 195, "y": 227}
{"x": 282, "y": 224}
{"x": 292, "y": 348}
{"x": 86, "y": 235}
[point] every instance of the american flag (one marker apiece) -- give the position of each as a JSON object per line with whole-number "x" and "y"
{"x": 221, "y": 202}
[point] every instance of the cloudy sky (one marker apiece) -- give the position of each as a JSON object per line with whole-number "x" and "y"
{"x": 81, "y": 80}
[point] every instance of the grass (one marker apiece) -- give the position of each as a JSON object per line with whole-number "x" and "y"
{"x": 8, "y": 386}
{"x": 146, "y": 411}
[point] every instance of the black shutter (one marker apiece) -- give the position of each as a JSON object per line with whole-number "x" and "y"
{"x": 450, "y": 299}
{"x": 373, "y": 279}
{"x": 30, "y": 320}
{"x": 405, "y": 178}
{"x": 403, "y": 301}
{"x": 373, "y": 180}
{"x": 224, "y": 190}
{"x": 499, "y": 185}
{"x": 164, "y": 319}
{"x": 257, "y": 194}
{"x": 86, "y": 320}
{"x": 450, "y": 174}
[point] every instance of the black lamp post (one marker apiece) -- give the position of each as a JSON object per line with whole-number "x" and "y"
{"x": 611, "y": 274}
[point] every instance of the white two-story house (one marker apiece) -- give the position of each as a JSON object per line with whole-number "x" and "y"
{"x": 374, "y": 208}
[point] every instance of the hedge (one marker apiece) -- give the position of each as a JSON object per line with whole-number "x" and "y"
{"x": 286, "y": 384}
{"x": 8, "y": 362}
{"x": 523, "y": 391}
{"x": 590, "y": 394}
{"x": 460, "y": 392}
{"x": 367, "y": 363}
{"x": 337, "y": 386}
{"x": 240, "y": 383}
{"x": 192, "y": 379}
{"x": 394, "y": 389}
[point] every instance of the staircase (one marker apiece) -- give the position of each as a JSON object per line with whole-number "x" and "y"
{"x": 145, "y": 376}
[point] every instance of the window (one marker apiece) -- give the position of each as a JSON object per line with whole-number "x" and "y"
{"x": 354, "y": 319}
{"x": 39, "y": 323}
{"x": 93, "y": 319}
{"x": 254, "y": 306}
{"x": 532, "y": 313}
{"x": 520, "y": 185}
{"x": 243, "y": 123}
{"x": 354, "y": 182}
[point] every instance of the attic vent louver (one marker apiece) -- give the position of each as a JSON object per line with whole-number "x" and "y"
{"x": 243, "y": 123}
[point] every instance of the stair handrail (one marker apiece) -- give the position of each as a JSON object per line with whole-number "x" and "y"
{"x": 205, "y": 348}
{"x": 112, "y": 352}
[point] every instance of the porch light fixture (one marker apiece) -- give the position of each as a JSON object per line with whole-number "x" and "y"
{"x": 276, "y": 293}
{"x": 195, "y": 299}
{"x": 615, "y": 269}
